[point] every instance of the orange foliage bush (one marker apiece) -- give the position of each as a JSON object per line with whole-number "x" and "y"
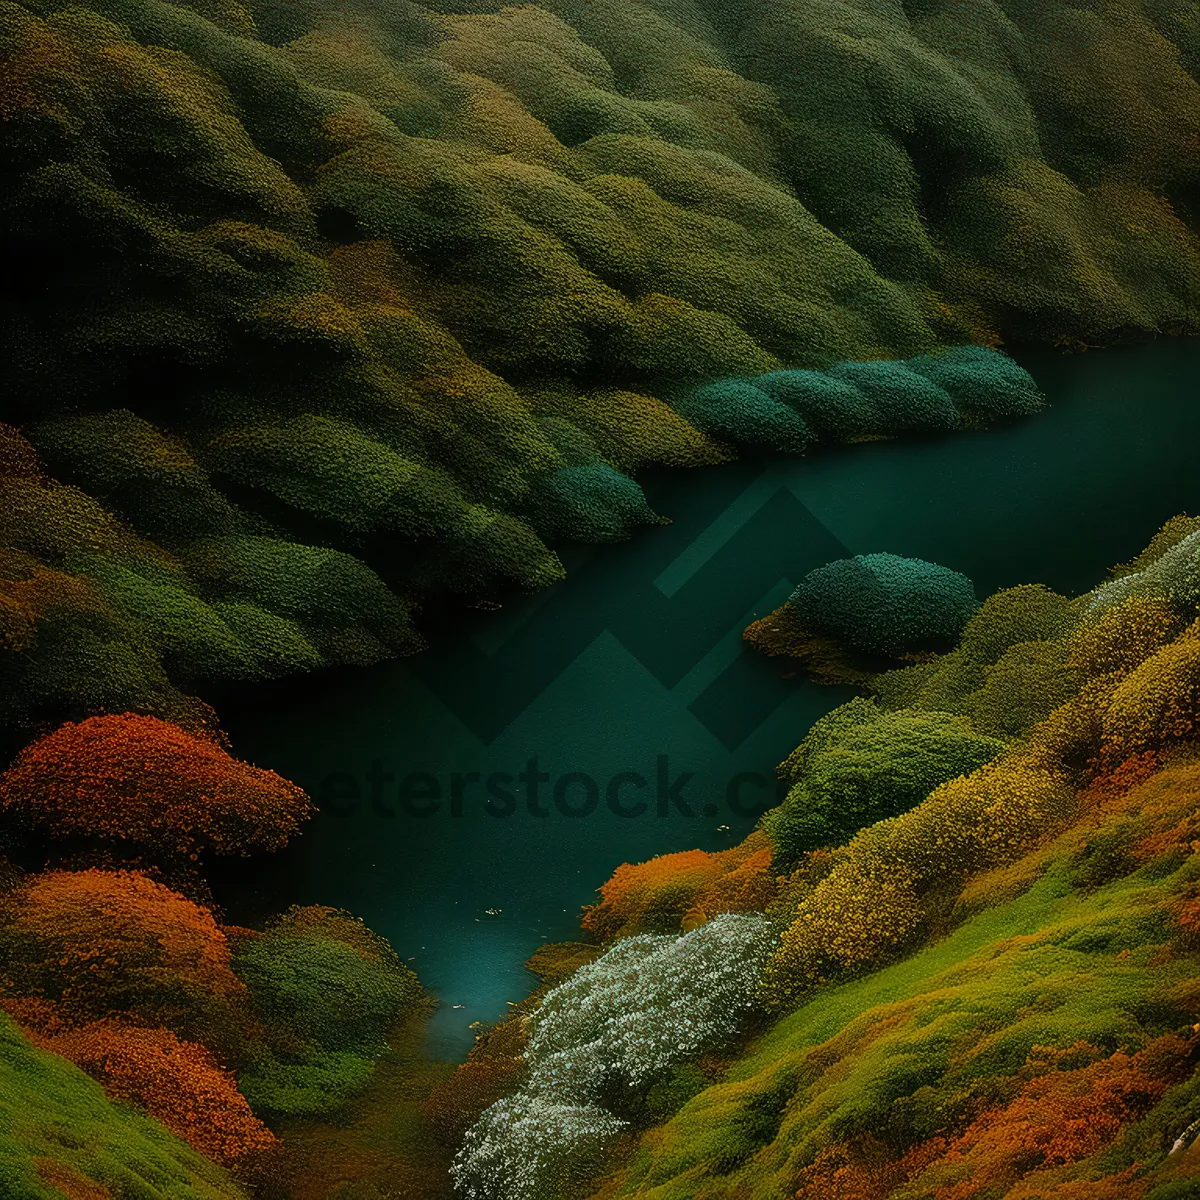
{"x": 862, "y": 1170}
{"x": 139, "y": 779}
{"x": 1057, "y": 1118}
{"x": 98, "y": 942}
{"x": 178, "y": 1083}
{"x": 686, "y": 888}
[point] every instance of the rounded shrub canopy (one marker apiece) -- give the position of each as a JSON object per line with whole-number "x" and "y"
{"x": 736, "y": 410}
{"x": 884, "y": 604}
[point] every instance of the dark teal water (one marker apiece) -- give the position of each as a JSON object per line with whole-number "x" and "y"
{"x": 635, "y": 668}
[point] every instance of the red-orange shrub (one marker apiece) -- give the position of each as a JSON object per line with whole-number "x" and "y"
{"x": 179, "y": 1083}
{"x": 102, "y": 942}
{"x": 138, "y": 779}
{"x": 688, "y": 887}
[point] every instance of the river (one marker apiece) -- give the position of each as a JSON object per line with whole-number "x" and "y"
{"x": 655, "y": 728}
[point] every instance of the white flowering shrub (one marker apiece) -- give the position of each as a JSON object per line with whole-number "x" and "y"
{"x": 614, "y": 1027}
{"x": 647, "y": 1003}
{"x": 526, "y": 1147}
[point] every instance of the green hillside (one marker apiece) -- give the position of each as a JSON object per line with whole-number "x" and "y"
{"x": 59, "y": 1137}
{"x": 297, "y": 288}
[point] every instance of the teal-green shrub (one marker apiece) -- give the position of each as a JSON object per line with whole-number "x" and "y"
{"x": 907, "y": 402}
{"x": 982, "y": 381}
{"x": 591, "y": 502}
{"x": 832, "y": 408}
{"x": 925, "y": 394}
{"x": 735, "y": 410}
{"x": 884, "y": 604}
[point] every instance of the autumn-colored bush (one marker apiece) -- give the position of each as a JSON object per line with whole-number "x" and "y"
{"x": 682, "y": 890}
{"x": 138, "y": 779}
{"x": 102, "y": 943}
{"x": 178, "y": 1083}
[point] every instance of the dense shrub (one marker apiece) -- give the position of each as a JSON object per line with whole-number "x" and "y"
{"x": 600, "y": 1039}
{"x": 884, "y": 604}
{"x": 737, "y": 411}
{"x": 980, "y": 381}
{"x": 866, "y": 765}
{"x": 142, "y": 780}
{"x": 100, "y": 943}
{"x": 327, "y": 991}
{"x": 1159, "y": 701}
{"x": 526, "y": 1144}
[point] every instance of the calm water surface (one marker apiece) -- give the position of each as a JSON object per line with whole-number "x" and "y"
{"x": 633, "y": 671}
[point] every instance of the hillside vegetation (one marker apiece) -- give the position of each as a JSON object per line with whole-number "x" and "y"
{"x": 317, "y": 311}
{"x": 318, "y": 316}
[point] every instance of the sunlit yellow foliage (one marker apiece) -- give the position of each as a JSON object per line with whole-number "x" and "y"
{"x": 1159, "y": 702}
